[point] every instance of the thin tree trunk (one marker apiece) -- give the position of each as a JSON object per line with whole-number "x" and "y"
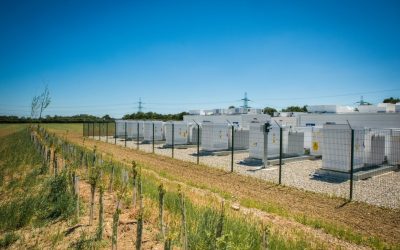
{"x": 92, "y": 194}
{"x": 139, "y": 231}
{"x": 110, "y": 188}
{"x": 114, "y": 243}
{"x": 161, "y": 209}
{"x": 183, "y": 221}
{"x": 101, "y": 215}
{"x": 77, "y": 195}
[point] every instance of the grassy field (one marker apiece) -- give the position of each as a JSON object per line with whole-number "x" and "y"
{"x": 295, "y": 219}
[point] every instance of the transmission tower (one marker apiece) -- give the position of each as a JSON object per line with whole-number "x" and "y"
{"x": 245, "y": 101}
{"x": 362, "y": 102}
{"x": 140, "y": 108}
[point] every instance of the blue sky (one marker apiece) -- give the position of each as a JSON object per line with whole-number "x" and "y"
{"x": 99, "y": 57}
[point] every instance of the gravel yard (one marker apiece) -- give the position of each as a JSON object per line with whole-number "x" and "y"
{"x": 382, "y": 190}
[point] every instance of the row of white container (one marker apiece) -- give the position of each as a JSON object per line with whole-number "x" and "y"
{"x": 372, "y": 147}
{"x": 332, "y": 142}
{"x": 213, "y": 136}
{"x": 131, "y": 129}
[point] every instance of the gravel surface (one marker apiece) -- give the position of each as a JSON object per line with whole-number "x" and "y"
{"x": 382, "y": 190}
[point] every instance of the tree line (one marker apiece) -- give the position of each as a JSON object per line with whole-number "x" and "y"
{"x": 54, "y": 119}
{"x": 155, "y": 116}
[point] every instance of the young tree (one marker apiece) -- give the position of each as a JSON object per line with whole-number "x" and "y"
{"x": 40, "y": 103}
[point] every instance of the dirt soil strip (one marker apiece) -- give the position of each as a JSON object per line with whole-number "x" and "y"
{"x": 360, "y": 217}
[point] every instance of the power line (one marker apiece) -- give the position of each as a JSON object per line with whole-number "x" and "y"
{"x": 329, "y": 96}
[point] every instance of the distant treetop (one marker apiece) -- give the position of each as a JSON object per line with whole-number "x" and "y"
{"x": 270, "y": 111}
{"x": 391, "y": 100}
{"x": 295, "y": 109}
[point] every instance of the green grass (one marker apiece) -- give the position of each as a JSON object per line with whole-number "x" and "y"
{"x": 8, "y": 239}
{"x": 31, "y": 196}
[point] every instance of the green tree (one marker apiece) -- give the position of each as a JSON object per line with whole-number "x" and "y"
{"x": 391, "y": 100}
{"x": 295, "y": 109}
{"x": 269, "y": 110}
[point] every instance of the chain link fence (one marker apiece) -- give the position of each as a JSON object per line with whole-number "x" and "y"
{"x": 338, "y": 160}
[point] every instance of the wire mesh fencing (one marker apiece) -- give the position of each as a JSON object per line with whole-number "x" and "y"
{"x": 339, "y": 160}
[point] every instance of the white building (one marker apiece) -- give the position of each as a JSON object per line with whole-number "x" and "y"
{"x": 369, "y": 120}
{"x": 337, "y": 109}
{"x": 242, "y": 120}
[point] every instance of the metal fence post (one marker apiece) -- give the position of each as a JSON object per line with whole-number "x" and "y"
{"x": 265, "y": 141}
{"x": 280, "y": 154}
{"x": 137, "y": 137}
{"x": 233, "y": 146}
{"x": 125, "y": 134}
{"x": 93, "y": 130}
{"x": 198, "y": 144}
{"x": 115, "y": 132}
{"x": 83, "y": 129}
{"x": 100, "y": 131}
{"x": 173, "y": 139}
{"x": 351, "y": 164}
{"x": 153, "y": 138}
{"x": 107, "y": 132}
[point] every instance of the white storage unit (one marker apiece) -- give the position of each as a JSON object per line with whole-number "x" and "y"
{"x": 120, "y": 128}
{"x": 371, "y": 109}
{"x": 181, "y": 133}
{"x": 256, "y": 141}
{"x": 214, "y": 136}
{"x": 393, "y": 152}
{"x": 241, "y": 138}
{"x": 374, "y": 148}
{"x": 285, "y": 120}
{"x": 307, "y": 135}
{"x": 193, "y": 138}
{"x": 293, "y": 143}
{"x": 337, "y": 148}
{"x": 132, "y": 129}
{"x": 148, "y": 131}
{"x": 316, "y": 141}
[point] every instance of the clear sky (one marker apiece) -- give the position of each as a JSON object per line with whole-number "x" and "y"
{"x": 99, "y": 57}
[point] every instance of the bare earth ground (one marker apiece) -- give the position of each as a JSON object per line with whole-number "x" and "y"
{"x": 365, "y": 219}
